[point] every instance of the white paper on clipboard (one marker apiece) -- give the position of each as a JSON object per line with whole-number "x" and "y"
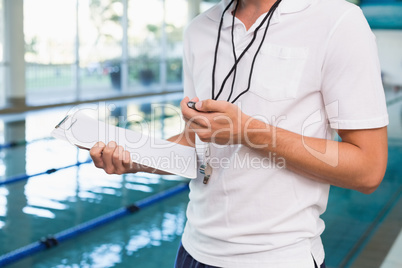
{"x": 84, "y": 131}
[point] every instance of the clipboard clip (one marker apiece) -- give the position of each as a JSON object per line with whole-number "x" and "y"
{"x": 62, "y": 121}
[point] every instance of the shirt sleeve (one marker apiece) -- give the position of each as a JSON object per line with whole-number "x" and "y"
{"x": 351, "y": 75}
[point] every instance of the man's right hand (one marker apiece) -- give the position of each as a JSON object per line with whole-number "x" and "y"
{"x": 112, "y": 158}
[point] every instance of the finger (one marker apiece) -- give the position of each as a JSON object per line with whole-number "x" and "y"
{"x": 194, "y": 119}
{"x": 117, "y": 160}
{"x": 96, "y": 154}
{"x": 200, "y": 120}
{"x": 108, "y": 157}
{"x": 183, "y": 103}
{"x": 186, "y": 111}
{"x": 203, "y": 132}
{"x": 127, "y": 162}
{"x": 212, "y": 106}
{"x": 184, "y": 107}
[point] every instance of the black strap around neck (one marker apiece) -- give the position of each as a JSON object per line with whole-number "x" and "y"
{"x": 233, "y": 70}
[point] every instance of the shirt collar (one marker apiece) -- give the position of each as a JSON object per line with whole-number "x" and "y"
{"x": 294, "y": 6}
{"x": 285, "y": 7}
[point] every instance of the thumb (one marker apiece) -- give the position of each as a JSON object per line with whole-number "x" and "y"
{"x": 211, "y": 106}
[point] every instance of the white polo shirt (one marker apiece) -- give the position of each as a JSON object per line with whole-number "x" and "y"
{"x": 317, "y": 71}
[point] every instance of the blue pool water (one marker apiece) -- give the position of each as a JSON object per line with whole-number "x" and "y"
{"x": 47, "y": 204}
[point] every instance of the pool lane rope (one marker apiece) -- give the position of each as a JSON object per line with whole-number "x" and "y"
{"x": 49, "y": 171}
{"x": 52, "y": 241}
{"x": 13, "y": 144}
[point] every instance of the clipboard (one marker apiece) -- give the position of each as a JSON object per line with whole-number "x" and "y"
{"x": 84, "y": 131}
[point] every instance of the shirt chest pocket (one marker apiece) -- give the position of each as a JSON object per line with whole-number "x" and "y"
{"x": 278, "y": 72}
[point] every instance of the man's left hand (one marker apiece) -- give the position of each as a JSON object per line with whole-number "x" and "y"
{"x": 219, "y": 122}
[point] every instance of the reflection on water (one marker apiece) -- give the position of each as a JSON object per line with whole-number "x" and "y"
{"x": 3, "y": 202}
{"x": 45, "y": 202}
{"x": 142, "y": 188}
{"x": 44, "y": 213}
{"x": 106, "y": 255}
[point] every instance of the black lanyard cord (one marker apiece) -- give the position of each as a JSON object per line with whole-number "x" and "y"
{"x": 234, "y": 68}
{"x": 269, "y": 14}
{"x": 255, "y": 55}
{"x": 216, "y": 49}
{"x": 234, "y": 50}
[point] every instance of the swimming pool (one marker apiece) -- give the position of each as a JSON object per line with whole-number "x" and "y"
{"x": 43, "y": 205}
